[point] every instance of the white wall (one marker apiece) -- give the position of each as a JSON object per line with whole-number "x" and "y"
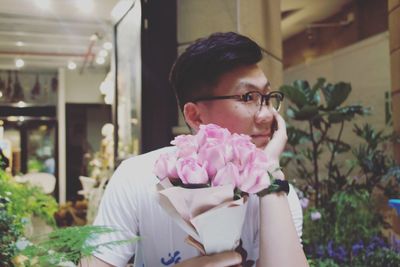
{"x": 366, "y": 65}
{"x": 84, "y": 88}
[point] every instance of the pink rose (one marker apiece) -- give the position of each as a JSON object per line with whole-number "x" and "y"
{"x": 212, "y": 133}
{"x": 215, "y": 155}
{"x": 187, "y": 145}
{"x": 227, "y": 175}
{"x": 253, "y": 179}
{"x": 243, "y": 150}
{"x": 166, "y": 166}
{"x": 190, "y": 172}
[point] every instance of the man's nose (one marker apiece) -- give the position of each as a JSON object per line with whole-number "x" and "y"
{"x": 264, "y": 114}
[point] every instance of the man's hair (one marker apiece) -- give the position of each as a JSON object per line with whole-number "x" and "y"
{"x": 197, "y": 71}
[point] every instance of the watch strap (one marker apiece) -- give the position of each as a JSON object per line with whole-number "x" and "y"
{"x": 276, "y": 186}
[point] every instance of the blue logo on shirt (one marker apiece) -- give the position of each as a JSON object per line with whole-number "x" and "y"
{"x": 172, "y": 258}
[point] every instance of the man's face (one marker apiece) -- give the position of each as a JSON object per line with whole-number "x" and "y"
{"x": 238, "y": 116}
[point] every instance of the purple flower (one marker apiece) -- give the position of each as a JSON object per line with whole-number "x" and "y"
{"x": 357, "y": 248}
{"x": 315, "y": 215}
{"x": 304, "y": 202}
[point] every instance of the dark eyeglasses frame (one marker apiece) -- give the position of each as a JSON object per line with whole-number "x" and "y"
{"x": 264, "y": 97}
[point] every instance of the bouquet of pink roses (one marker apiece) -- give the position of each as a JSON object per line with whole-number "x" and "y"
{"x": 205, "y": 182}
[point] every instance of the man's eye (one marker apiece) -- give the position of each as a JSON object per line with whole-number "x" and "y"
{"x": 250, "y": 97}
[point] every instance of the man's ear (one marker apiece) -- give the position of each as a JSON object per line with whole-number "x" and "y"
{"x": 192, "y": 113}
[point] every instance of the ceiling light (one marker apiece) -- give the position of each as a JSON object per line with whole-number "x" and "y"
{"x": 100, "y": 60}
{"x": 71, "y": 65}
{"x": 107, "y": 45}
{"x": 19, "y": 63}
{"x": 103, "y": 53}
{"x": 86, "y": 6}
{"x": 19, "y": 43}
{"x": 43, "y": 4}
{"x": 21, "y": 104}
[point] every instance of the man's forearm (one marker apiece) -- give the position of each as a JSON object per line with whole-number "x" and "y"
{"x": 93, "y": 262}
{"x": 279, "y": 242}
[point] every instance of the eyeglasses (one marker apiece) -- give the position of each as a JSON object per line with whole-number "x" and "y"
{"x": 253, "y": 99}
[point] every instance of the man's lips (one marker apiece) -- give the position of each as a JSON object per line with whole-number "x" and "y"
{"x": 261, "y": 137}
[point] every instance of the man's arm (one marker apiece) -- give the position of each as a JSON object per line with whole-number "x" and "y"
{"x": 224, "y": 259}
{"x": 93, "y": 262}
{"x": 278, "y": 237}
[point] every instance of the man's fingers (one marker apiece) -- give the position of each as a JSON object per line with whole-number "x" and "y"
{"x": 280, "y": 121}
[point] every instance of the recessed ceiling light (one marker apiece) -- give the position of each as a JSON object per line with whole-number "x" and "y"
{"x": 71, "y": 65}
{"x": 100, "y": 60}
{"x": 107, "y": 45}
{"x": 19, "y": 62}
{"x": 19, "y": 43}
{"x": 21, "y": 104}
{"x": 43, "y": 4}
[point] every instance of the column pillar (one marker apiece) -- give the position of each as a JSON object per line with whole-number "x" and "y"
{"x": 394, "y": 45}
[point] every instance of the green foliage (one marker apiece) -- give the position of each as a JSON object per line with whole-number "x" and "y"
{"x": 377, "y": 169}
{"x": 349, "y": 218}
{"x": 344, "y": 200}
{"x": 319, "y": 107}
{"x": 8, "y": 237}
{"x": 353, "y": 220}
{"x": 24, "y": 201}
{"x": 322, "y": 263}
{"x": 69, "y": 245}
{"x": 379, "y": 258}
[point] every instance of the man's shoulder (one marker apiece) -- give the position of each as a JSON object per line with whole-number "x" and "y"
{"x": 146, "y": 159}
{"x": 139, "y": 170}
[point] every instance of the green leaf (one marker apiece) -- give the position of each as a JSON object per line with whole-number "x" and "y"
{"x": 336, "y": 94}
{"x": 296, "y": 136}
{"x": 393, "y": 172}
{"x": 295, "y": 96}
{"x": 319, "y": 84}
{"x": 346, "y": 113}
{"x": 70, "y": 244}
{"x": 307, "y": 112}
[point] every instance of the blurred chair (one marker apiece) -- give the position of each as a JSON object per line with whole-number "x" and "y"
{"x": 45, "y": 181}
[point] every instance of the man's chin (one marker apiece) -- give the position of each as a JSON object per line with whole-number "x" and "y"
{"x": 261, "y": 144}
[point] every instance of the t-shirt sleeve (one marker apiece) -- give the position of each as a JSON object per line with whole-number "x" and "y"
{"x": 118, "y": 211}
{"x": 297, "y": 212}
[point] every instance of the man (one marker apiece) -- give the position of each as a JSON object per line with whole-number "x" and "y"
{"x": 216, "y": 80}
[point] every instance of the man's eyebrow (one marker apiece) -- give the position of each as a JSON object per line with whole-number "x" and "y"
{"x": 252, "y": 86}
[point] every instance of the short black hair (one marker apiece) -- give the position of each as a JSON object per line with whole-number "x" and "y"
{"x": 198, "y": 69}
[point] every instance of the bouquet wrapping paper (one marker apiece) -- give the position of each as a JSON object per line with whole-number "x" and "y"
{"x": 204, "y": 185}
{"x": 208, "y": 215}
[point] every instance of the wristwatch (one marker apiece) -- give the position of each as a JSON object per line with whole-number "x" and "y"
{"x": 276, "y": 186}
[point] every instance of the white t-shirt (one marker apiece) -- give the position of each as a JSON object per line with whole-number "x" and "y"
{"x": 130, "y": 205}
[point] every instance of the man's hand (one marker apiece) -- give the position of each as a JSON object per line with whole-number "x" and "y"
{"x": 223, "y": 259}
{"x": 278, "y": 140}
{"x": 276, "y": 146}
